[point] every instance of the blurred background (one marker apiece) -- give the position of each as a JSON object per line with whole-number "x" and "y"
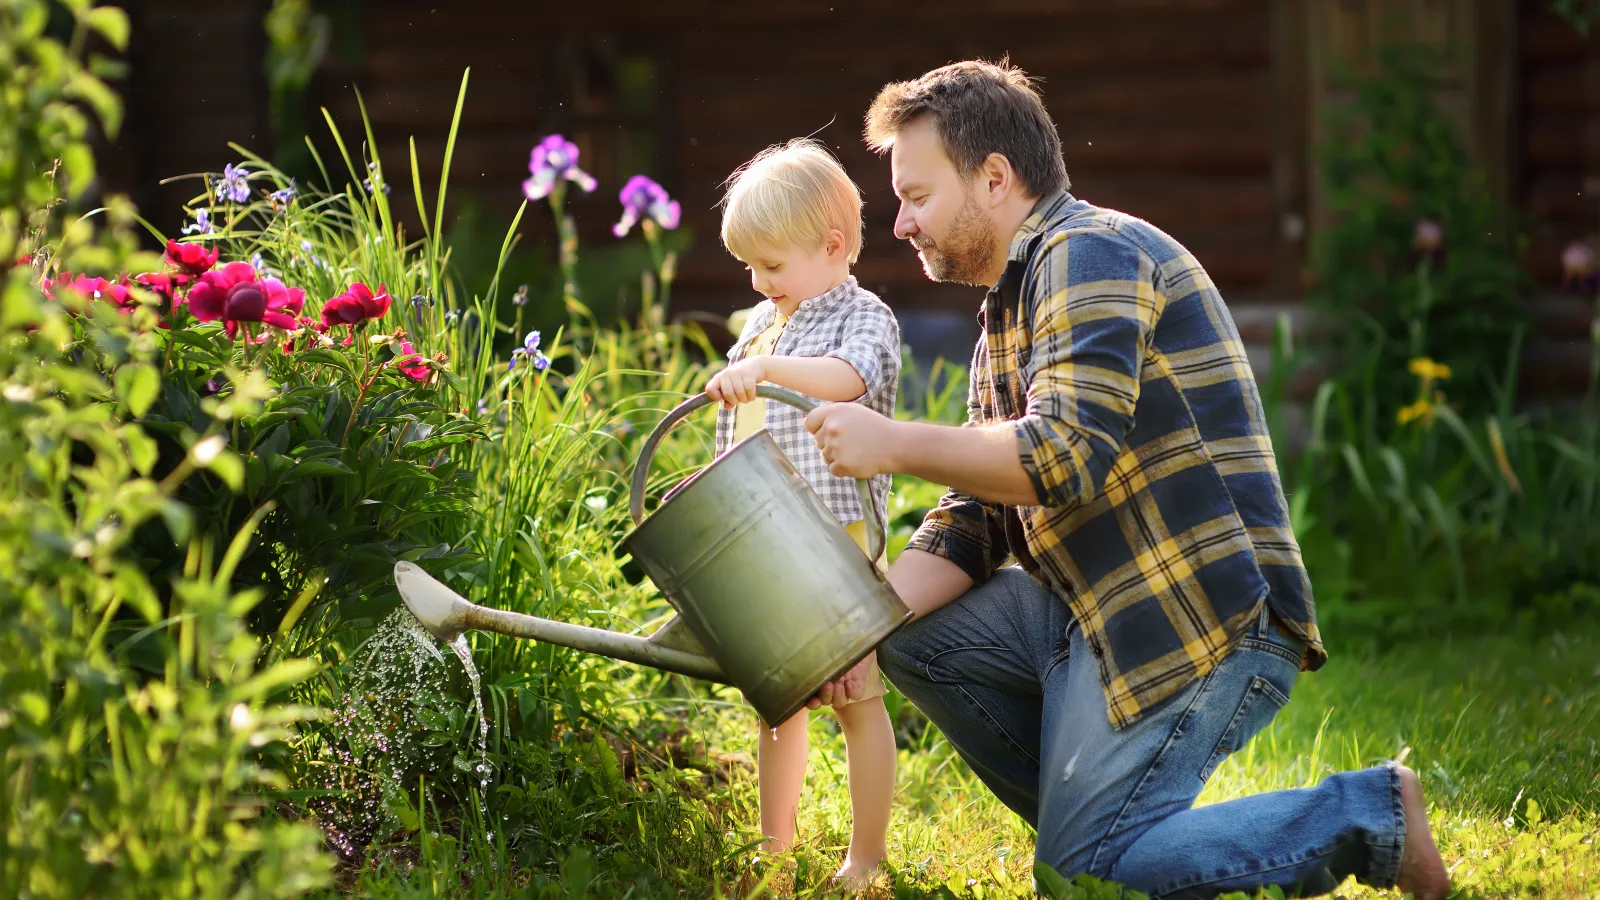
{"x": 1210, "y": 118}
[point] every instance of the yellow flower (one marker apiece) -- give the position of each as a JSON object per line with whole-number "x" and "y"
{"x": 1428, "y": 370}
{"x": 1417, "y": 410}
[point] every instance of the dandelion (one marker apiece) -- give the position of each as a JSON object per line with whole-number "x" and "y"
{"x": 202, "y": 224}
{"x": 234, "y": 185}
{"x": 643, "y": 198}
{"x": 530, "y": 350}
{"x": 554, "y": 159}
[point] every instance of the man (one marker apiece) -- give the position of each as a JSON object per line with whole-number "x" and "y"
{"x": 1116, "y": 447}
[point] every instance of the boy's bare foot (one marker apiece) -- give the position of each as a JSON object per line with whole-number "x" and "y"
{"x": 1422, "y": 871}
{"x": 854, "y": 876}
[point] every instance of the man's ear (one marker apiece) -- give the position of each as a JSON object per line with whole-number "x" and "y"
{"x": 997, "y": 179}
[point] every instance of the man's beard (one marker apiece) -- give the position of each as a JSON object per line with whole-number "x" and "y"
{"x": 967, "y": 251}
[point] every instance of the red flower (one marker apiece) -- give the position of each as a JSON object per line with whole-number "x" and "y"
{"x": 165, "y": 286}
{"x": 100, "y": 289}
{"x": 191, "y": 259}
{"x": 415, "y": 367}
{"x": 235, "y": 294}
{"x": 47, "y": 286}
{"x": 356, "y": 305}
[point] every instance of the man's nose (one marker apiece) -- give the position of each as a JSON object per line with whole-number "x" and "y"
{"x": 905, "y": 226}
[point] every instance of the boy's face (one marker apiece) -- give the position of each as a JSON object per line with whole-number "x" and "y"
{"x": 790, "y": 275}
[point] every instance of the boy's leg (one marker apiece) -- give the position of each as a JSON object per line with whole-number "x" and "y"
{"x": 1118, "y": 804}
{"x": 870, "y": 756}
{"x": 975, "y": 666}
{"x": 781, "y": 775}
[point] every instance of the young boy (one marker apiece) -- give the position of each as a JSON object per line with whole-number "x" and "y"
{"x": 793, "y": 217}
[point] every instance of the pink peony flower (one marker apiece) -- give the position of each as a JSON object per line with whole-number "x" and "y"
{"x": 237, "y": 295}
{"x": 356, "y": 305}
{"x": 190, "y": 259}
{"x": 111, "y": 292}
{"x": 415, "y": 367}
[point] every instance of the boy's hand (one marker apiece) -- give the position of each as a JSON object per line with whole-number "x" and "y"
{"x": 737, "y": 383}
{"x": 850, "y": 686}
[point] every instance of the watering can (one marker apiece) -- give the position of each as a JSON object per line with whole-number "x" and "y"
{"x": 772, "y": 595}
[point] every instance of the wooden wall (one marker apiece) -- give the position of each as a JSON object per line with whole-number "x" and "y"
{"x": 1165, "y": 108}
{"x": 1557, "y": 168}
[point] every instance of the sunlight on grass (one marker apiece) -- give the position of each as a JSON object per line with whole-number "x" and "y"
{"x": 1504, "y": 733}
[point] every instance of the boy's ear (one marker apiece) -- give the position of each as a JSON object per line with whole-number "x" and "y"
{"x": 834, "y": 242}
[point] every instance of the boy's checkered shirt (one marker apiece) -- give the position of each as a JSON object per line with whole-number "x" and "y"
{"x": 850, "y": 323}
{"x": 1161, "y": 519}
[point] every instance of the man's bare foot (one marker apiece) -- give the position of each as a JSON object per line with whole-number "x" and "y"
{"x": 1422, "y": 871}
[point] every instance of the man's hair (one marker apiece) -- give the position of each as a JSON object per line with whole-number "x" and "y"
{"x": 789, "y": 195}
{"x": 977, "y": 108}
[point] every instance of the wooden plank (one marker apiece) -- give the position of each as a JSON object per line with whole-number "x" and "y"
{"x": 1290, "y": 104}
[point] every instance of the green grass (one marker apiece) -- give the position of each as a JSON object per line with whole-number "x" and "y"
{"x": 1505, "y": 734}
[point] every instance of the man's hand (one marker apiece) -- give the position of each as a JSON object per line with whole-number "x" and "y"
{"x": 850, "y": 686}
{"x": 856, "y": 442}
{"x": 737, "y": 383}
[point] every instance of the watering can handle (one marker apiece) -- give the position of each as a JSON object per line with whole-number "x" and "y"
{"x": 876, "y": 539}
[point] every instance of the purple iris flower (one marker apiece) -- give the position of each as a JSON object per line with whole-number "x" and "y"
{"x": 233, "y": 185}
{"x": 530, "y": 349}
{"x": 284, "y": 195}
{"x": 202, "y": 224}
{"x": 643, "y": 197}
{"x": 554, "y": 158}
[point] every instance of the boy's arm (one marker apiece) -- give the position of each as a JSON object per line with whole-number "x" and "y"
{"x": 823, "y": 377}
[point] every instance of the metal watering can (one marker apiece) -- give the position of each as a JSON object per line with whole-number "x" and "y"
{"x": 772, "y": 595}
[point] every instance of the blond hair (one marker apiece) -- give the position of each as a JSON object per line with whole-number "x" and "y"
{"x": 789, "y": 195}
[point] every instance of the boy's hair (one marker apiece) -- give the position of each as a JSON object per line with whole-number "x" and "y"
{"x": 977, "y": 108}
{"x": 789, "y": 195}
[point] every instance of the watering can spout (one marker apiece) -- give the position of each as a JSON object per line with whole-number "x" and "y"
{"x": 447, "y": 614}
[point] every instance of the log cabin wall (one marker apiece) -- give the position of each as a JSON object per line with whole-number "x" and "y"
{"x": 1165, "y": 109}
{"x": 1198, "y": 115}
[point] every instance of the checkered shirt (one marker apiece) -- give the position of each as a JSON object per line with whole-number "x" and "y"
{"x": 1162, "y": 521}
{"x": 850, "y": 323}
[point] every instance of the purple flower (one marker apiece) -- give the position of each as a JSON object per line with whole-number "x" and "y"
{"x": 260, "y": 265}
{"x": 1578, "y": 272}
{"x": 483, "y": 407}
{"x": 530, "y": 349}
{"x": 520, "y": 298}
{"x": 202, "y": 224}
{"x": 284, "y": 195}
{"x": 233, "y": 185}
{"x": 368, "y": 183}
{"x": 554, "y": 158}
{"x": 643, "y": 197}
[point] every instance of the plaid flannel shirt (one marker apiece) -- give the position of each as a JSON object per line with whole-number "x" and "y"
{"x": 1162, "y": 521}
{"x": 848, "y": 322}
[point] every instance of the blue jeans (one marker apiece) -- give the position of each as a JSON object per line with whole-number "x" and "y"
{"x": 1006, "y": 675}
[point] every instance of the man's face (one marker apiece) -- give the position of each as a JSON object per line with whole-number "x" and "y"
{"x": 939, "y": 210}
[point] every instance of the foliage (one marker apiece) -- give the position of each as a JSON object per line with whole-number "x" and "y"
{"x": 1417, "y": 260}
{"x": 115, "y": 783}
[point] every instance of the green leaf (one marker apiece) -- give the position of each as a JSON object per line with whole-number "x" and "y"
{"x": 111, "y": 23}
{"x": 138, "y": 385}
{"x": 180, "y": 521}
{"x": 142, "y": 449}
{"x": 134, "y": 588}
{"x": 312, "y": 468}
{"x": 416, "y": 448}
{"x": 100, "y": 97}
{"x": 283, "y": 674}
{"x": 341, "y": 361}
{"x": 229, "y": 468}
{"x": 77, "y": 167}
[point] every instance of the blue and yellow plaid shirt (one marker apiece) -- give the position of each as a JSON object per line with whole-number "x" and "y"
{"x": 1161, "y": 519}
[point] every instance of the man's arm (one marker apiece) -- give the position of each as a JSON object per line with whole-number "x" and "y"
{"x": 980, "y": 461}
